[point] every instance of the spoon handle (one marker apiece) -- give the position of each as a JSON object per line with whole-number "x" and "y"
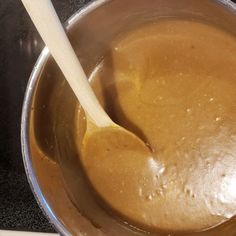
{"x": 49, "y": 26}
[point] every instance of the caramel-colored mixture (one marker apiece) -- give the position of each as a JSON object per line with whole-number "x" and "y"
{"x": 173, "y": 84}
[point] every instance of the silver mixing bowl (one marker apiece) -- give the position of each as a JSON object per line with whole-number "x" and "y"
{"x": 50, "y": 158}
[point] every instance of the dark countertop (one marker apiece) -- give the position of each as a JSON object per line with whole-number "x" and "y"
{"x": 18, "y": 53}
{"x": 20, "y": 46}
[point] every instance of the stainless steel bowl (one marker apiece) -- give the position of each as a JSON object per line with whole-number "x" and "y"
{"x": 50, "y": 158}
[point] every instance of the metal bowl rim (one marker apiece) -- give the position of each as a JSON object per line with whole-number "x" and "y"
{"x": 31, "y": 86}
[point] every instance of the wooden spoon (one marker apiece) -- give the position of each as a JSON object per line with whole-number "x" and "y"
{"x": 49, "y": 26}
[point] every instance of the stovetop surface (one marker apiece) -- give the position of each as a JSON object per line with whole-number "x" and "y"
{"x": 20, "y": 45}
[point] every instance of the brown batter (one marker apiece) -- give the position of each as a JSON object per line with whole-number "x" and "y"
{"x": 173, "y": 84}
